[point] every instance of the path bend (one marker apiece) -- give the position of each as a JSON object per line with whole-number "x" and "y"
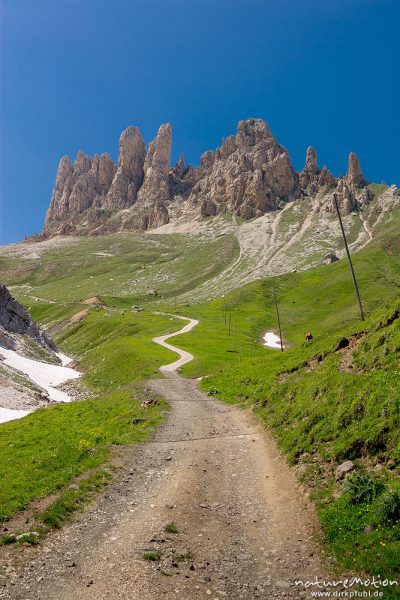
{"x": 171, "y": 369}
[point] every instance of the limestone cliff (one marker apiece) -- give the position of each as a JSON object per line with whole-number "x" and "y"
{"x": 249, "y": 175}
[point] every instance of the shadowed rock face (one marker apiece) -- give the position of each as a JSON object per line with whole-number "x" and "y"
{"x": 15, "y": 319}
{"x": 248, "y": 175}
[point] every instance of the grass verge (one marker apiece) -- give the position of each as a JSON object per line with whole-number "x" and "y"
{"x": 43, "y": 452}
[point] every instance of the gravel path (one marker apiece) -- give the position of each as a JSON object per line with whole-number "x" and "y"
{"x": 244, "y": 528}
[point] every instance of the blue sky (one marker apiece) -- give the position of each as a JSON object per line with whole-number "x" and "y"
{"x": 75, "y": 73}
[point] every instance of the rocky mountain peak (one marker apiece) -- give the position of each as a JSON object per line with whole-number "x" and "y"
{"x": 248, "y": 175}
{"x": 159, "y": 154}
{"x": 311, "y": 165}
{"x": 82, "y": 162}
{"x": 154, "y": 193}
{"x": 64, "y": 171}
{"x": 251, "y": 132}
{"x": 129, "y": 174}
{"x": 155, "y": 187}
{"x": 309, "y": 174}
{"x": 179, "y": 168}
{"x": 132, "y": 149}
{"x": 354, "y": 175}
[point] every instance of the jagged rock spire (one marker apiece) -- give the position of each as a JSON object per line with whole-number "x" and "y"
{"x": 156, "y": 168}
{"x": 310, "y": 171}
{"x": 354, "y": 175}
{"x": 129, "y": 176}
{"x": 311, "y": 166}
{"x": 179, "y": 169}
{"x": 79, "y": 185}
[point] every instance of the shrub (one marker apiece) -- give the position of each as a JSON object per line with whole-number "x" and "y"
{"x": 363, "y": 487}
{"x": 388, "y": 508}
{"x": 152, "y": 555}
{"x": 214, "y": 391}
{"x": 171, "y": 528}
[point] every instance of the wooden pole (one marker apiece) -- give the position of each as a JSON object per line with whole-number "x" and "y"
{"x": 353, "y": 275}
{"x": 279, "y": 320}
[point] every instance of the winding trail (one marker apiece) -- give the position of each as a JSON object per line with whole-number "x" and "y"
{"x": 185, "y": 357}
{"x": 244, "y": 528}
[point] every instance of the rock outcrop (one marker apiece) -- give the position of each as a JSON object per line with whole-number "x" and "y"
{"x": 314, "y": 178}
{"x": 248, "y": 175}
{"x": 79, "y": 186}
{"x": 354, "y": 176}
{"x": 310, "y": 172}
{"x": 128, "y": 178}
{"x": 15, "y": 319}
{"x": 330, "y": 258}
{"x": 154, "y": 194}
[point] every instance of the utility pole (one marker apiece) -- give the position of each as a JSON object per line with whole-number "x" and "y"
{"x": 278, "y": 317}
{"x": 353, "y": 275}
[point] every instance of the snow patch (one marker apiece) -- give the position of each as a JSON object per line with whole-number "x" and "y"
{"x": 65, "y": 360}
{"x": 45, "y": 375}
{"x": 9, "y": 414}
{"x": 271, "y": 340}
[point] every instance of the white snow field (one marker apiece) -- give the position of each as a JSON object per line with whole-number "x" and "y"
{"x": 9, "y": 414}
{"x": 45, "y": 375}
{"x": 271, "y": 340}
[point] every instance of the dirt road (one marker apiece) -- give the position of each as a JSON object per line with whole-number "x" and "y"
{"x": 243, "y": 527}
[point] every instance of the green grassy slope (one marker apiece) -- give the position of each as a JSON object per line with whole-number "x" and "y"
{"x": 333, "y": 399}
{"x": 43, "y": 452}
{"x": 321, "y": 300}
{"x": 129, "y": 265}
{"x": 325, "y": 406}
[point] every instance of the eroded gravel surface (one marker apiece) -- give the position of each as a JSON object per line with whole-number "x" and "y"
{"x": 245, "y": 530}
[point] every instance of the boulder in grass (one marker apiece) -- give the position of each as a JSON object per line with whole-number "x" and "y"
{"x": 330, "y": 258}
{"x": 344, "y": 468}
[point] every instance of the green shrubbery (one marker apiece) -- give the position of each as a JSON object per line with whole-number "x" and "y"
{"x": 363, "y": 487}
{"x": 389, "y": 505}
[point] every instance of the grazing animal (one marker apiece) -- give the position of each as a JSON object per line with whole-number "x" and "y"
{"x": 309, "y": 337}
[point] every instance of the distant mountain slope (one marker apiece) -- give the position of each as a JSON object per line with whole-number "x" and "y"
{"x": 193, "y": 257}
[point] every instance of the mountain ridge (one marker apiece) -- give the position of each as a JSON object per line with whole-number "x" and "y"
{"x": 249, "y": 175}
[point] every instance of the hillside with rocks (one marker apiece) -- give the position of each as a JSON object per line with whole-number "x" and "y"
{"x": 30, "y": 364}
{"x": 15, "y": 321}
{"x": 248, "y": 176}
